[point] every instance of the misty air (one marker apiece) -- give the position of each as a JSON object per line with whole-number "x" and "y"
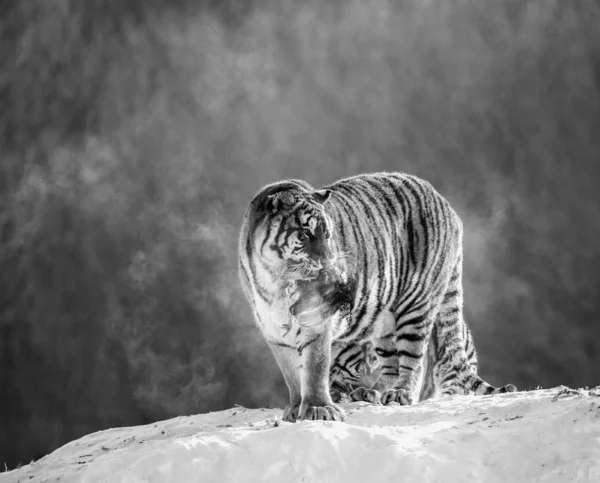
{"x": 134, "y": 136}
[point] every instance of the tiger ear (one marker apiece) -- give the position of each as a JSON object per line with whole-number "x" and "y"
{"x": 283, "y": 199}
{"x": 321, "y": 195}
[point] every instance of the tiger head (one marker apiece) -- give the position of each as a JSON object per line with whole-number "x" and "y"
{"x": 297, "y": 231}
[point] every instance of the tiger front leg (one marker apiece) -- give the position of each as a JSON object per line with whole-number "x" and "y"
{"x": 384, "y": 344}
{"x": 388, "y": 372}
{"x": 393, "y": 385}
{"x": 316, "y": 401}
{"x": 289, "y": 364}
{"x": 401, "y": 353}
{"x": 412, "y": 339}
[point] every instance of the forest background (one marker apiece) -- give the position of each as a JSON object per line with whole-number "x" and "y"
{"x": 133, "y": 134}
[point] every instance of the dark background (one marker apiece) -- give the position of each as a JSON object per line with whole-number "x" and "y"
{"x": 133, "y": 133}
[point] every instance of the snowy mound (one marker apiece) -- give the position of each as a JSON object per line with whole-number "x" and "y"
{"x": 543, "y": 436}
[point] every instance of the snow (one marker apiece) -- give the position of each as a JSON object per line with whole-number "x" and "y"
{"x": 550, "y": 435}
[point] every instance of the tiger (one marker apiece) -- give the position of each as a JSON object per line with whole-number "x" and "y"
{"x": 352, "y": 366}
{"x": 392, "y": 238}
{"x": 356, "y": 366}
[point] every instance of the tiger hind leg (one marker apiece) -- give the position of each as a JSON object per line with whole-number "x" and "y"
{"x": 452, "y": 353}
{"x": 460, "y": 379}
{"x": 452, "y": 368}
{"x": 472, "y": 382}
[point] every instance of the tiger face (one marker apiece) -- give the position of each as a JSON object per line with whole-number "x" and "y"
{"x": 298, "y": 232}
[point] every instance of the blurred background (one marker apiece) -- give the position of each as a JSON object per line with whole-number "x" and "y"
{"x": 133, "y": 134}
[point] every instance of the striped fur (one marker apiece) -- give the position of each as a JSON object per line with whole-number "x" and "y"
{"x": 398, "y": 243}
{"x": 356, "y": 365}
{"x": 450, "y": 364}
{"x": 353, "y": 366}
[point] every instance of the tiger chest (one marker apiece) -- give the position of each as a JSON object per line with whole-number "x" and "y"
{"x": 279, "y": 326}
{"x": 276, "y": 322}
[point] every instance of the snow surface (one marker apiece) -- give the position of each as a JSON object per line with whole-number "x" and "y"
{"x": 548, "y": 435}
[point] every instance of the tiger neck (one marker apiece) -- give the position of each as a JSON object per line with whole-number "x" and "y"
{"x": 272, "y": 276}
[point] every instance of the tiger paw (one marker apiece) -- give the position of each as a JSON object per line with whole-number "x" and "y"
{"x": 507, "y": 388}
{"x": 290, "y": 413}
{"x": 330, "y": 412}
{"x": 401, "y": 396}
{"x": 364, "y": 394}
{"x": 501, "y": 390}
{"x": 339, "y": 395}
